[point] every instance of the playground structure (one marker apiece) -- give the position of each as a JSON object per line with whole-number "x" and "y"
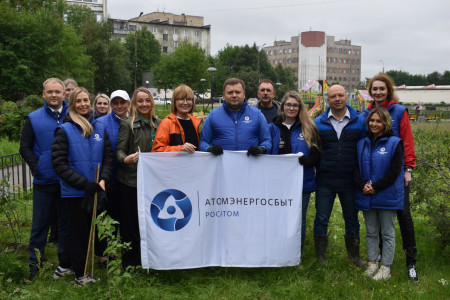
{"x": 315, "y": 93}
{"x": 363, "y": 100}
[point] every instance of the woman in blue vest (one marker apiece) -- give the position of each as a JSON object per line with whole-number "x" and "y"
{"x": 80, "y": 145}
{"x": 136, "y": 135}
{"x": 379, "y": 179}
{"x": 293, "y": 131}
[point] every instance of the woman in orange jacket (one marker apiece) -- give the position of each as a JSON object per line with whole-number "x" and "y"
{"x": 179, "y": 131}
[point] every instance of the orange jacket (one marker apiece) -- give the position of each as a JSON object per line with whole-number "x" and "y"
{"x": 170, "y": 135}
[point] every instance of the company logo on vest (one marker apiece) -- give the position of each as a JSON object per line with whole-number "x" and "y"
{"x": 382, "y": 150}
{"x": 171, "y": 210}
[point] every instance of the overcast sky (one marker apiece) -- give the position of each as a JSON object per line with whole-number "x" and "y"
{"x": 407, "y": 35}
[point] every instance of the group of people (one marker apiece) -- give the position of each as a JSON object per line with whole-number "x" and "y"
{"x": 366, "y": 159}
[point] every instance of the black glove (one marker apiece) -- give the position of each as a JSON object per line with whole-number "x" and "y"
{"x": 310, "y": 160}
{"x": 87, "y": 204}
{"x": 255, "y": 150}
{"x": 215, "y": 149}
{"x": 91, "y": 188}
{"x": 304, "y": 160}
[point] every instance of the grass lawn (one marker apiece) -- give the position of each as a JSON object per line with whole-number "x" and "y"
{"x": 338, "y": 278}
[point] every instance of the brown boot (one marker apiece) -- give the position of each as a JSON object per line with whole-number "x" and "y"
{"x": 352, "y": 245}
{"x": 321, "y": 243}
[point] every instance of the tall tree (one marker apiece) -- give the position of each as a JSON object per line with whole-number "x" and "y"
{"x": 187, "y": 65}
{"x": 287, "y": 80}
{"x": 109, "y": 57}
{"x": 36, "y": 45}
{"x": 148, "y": 52}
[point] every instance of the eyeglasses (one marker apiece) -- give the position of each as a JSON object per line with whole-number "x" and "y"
{"x": 185, "y": 100}
{"x": 294, "y": 106}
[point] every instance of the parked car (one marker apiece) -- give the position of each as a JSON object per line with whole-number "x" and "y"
{"x": 252, "y": 101}
{"x": 159, "y": 100}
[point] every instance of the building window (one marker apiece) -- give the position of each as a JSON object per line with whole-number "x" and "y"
{"x": 270, "y": 52}
{"x": 185, "y": 32}
{"x": 132, "y": 27}
{"x": 280, "y": 51}
{"x": 197, "y": 44}
{"x": 154, "y": 30}
{"x": 175, "y": 31}
{"x": 345, "y": 70}
{"x": 197, "y": 33}
{"x": 165, "y": 49}
{"x": 357, "y": 61}
{"x": 290, "y": 50}
{"x": 175, "y": 43}
{"x": 340, "y": 50}
{"x": 289, "y": 60}
{"x": 165, "y": 37}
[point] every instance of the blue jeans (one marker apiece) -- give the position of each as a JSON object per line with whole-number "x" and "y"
{"x": 375, "y": 220}
{"x": 305, "y": 202}
{"x": 42, "y": 217}
{"x": 324, "y": 205}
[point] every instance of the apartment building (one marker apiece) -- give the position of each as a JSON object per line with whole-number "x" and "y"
{"x": 99, "y": 7}
{"x": 314, "y": 55}
{"x": 169, "y": 29}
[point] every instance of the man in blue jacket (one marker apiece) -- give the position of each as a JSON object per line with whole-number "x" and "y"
{"x": 35, "y": 148}
{"x": 340, "y": 128}
{"x": 235, "y": 125}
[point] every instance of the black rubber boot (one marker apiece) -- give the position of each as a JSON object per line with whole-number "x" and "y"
{"x": 321, "y": 244}
{"x": 352, "y": 245}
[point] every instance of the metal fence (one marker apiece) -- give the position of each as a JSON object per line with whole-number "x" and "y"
{"x": 15, "y": 171}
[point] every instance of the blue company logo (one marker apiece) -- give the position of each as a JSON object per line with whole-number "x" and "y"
{"x": 171, "y": 210}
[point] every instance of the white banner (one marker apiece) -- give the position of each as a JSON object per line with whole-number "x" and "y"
{"x": 199, "y": 210}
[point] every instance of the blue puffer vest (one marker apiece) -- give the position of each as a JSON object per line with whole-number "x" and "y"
{"x": 396, "y": 111}
{"x": 44, "y": 124}
{"x": 298, "y": 144}
{"x": 373, "y": 165}
{"x": 338, "y": 155}
{"x": 112, "y": 124}
{"x": 239, "y": 134}
{"x": 84, "y": 154}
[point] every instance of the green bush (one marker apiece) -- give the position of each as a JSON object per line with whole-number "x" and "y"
{"x": 431, "y": 186}
{"x": 33, "y": 102}
{"x": 12, "y": 118}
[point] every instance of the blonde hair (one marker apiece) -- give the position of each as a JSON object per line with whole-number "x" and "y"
{"x": 86, "y": 127}
{"x": 182, "y": 92}
{"x": 134, "y": 112}
{"x": 309, "y": 128}
{"x": 107, "y": 99}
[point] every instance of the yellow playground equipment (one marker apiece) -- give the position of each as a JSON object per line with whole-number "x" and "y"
{"x": 315, "y": 93}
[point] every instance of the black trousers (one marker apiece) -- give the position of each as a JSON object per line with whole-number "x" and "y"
{"x": 129, "y": 227}
{"x": 407, "y": 230}
{"x": 75, "y": 251}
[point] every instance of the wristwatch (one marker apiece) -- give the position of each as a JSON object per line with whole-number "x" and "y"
{"x": 408, "y": 170}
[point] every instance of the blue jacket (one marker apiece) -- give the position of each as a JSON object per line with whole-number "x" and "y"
{"x": 112, "y": 124}
{"x": 338, "y": 155}
{"x": 396, "y": 111}
{"x": 85, "y": 153}
{"x": 44, "y": 124}
{"x": 298, "y": 144}
{"x": 373, "y": 164}
{"x": 235, "y": 130}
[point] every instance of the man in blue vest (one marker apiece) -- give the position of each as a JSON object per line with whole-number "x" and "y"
{"x": 235, "y": 125}
{"x": 35, "y": 148}
{"x": 340, "y": 128}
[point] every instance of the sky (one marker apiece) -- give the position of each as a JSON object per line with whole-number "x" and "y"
{"x": 405, "y": 35}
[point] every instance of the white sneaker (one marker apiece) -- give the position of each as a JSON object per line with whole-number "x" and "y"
{"x": 383, "y": 273}
{"x": 85, "y": 280}
{"x": 60, "y": 272}
{"x": 371, "y": 269}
